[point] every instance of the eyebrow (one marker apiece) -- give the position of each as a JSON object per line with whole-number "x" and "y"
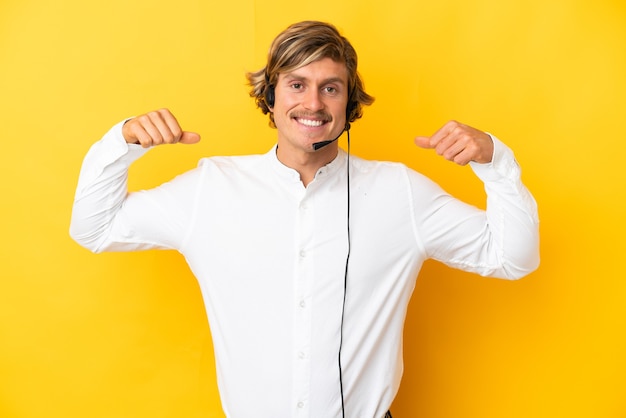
{"x": 294, "y": 75}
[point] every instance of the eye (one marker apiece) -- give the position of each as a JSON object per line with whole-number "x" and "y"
{"x": 330, "y": 90}
{"x": 296, "y": 86}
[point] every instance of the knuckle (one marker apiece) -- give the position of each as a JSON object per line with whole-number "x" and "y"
{"x": 143, "y": 119}
{"x": 459, "y": 130}
{"x": 454, "y": 126}
{"x": 169, "y": 138}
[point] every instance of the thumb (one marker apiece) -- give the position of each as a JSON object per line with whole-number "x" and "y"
{"x": 189, "y": 138}
{"x": 423, "y": 142}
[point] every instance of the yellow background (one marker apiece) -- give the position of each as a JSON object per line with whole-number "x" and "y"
{"x": 125, "y": 335}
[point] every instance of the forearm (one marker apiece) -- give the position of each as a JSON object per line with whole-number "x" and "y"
{"x": 511, "y": 214}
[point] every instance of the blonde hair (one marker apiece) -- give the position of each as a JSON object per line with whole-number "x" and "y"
{"x": 299, "y": 45}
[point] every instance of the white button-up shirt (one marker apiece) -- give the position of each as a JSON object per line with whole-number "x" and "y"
{"x": 270, "y": 257}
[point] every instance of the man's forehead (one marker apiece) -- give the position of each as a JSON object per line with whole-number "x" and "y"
{"x": 324, "y": 68}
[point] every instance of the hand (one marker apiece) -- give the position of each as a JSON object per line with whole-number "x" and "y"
{"x": 459, "y": 143}
{"x": 156, "y": 128}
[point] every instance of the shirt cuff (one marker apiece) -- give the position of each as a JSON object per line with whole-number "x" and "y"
{"x": 503, "y": 164}
{"x": 118, "y": 148}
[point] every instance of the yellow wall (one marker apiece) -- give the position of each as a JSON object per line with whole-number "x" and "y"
{"x": 124, "y": 335}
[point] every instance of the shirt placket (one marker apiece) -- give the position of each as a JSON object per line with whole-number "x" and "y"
{"x": 303, "y": 304}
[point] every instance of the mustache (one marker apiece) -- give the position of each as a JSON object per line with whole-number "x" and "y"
{"x": 319, "y": 115}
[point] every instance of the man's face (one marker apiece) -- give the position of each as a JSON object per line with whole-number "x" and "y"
{"x": 310, "y": 105}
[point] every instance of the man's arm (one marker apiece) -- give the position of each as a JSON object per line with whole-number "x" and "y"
{"x": 103, "y": 211}
{"x": 502, "y": 241}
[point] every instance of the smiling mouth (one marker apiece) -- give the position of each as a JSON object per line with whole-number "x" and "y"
{"x": 313, "y": 123}
{"x": 311, "y": 119}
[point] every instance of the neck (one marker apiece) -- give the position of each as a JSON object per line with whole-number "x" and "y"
{"x": 307, "y": 164}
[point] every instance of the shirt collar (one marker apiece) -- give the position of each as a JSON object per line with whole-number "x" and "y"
{"x": 292, "y": 175}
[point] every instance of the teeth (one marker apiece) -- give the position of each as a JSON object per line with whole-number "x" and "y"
{"x": 309, "y": 122}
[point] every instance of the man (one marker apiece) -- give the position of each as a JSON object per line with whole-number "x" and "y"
{"x": 307, "y": 256}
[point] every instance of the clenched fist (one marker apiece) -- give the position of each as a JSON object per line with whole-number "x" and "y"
{"x": 459, "y": 143}
{"x": 156, "y": 128}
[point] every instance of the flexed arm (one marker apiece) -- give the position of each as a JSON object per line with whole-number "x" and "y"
{"x": 105, "y": 217}
{"x": 502, "y": 241}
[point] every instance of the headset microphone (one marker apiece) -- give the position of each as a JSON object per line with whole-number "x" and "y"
{"x": 319, "y": 145}
{"x": 322, "y": 144}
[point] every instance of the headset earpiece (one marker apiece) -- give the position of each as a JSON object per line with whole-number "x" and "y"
{"x": 269, "y": 95}
{"x": 349, "y": 112}
{"x": 351, "y": 109}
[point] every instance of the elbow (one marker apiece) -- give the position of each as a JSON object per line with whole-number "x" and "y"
{"x": 519, "y": 273}
{"x": 84, "y": 238}
{"x": 522, "y": 267}
{"x": 523, "y": 258}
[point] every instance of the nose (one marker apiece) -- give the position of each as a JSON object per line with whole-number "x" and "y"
{"x": 313, "y": 100}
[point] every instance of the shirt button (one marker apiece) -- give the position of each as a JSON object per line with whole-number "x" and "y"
{"x": 301, "y": 405}
{"x": 302, "y": 304}
{"x": 302, "y": 253}
{"x": 301, "y": 355}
